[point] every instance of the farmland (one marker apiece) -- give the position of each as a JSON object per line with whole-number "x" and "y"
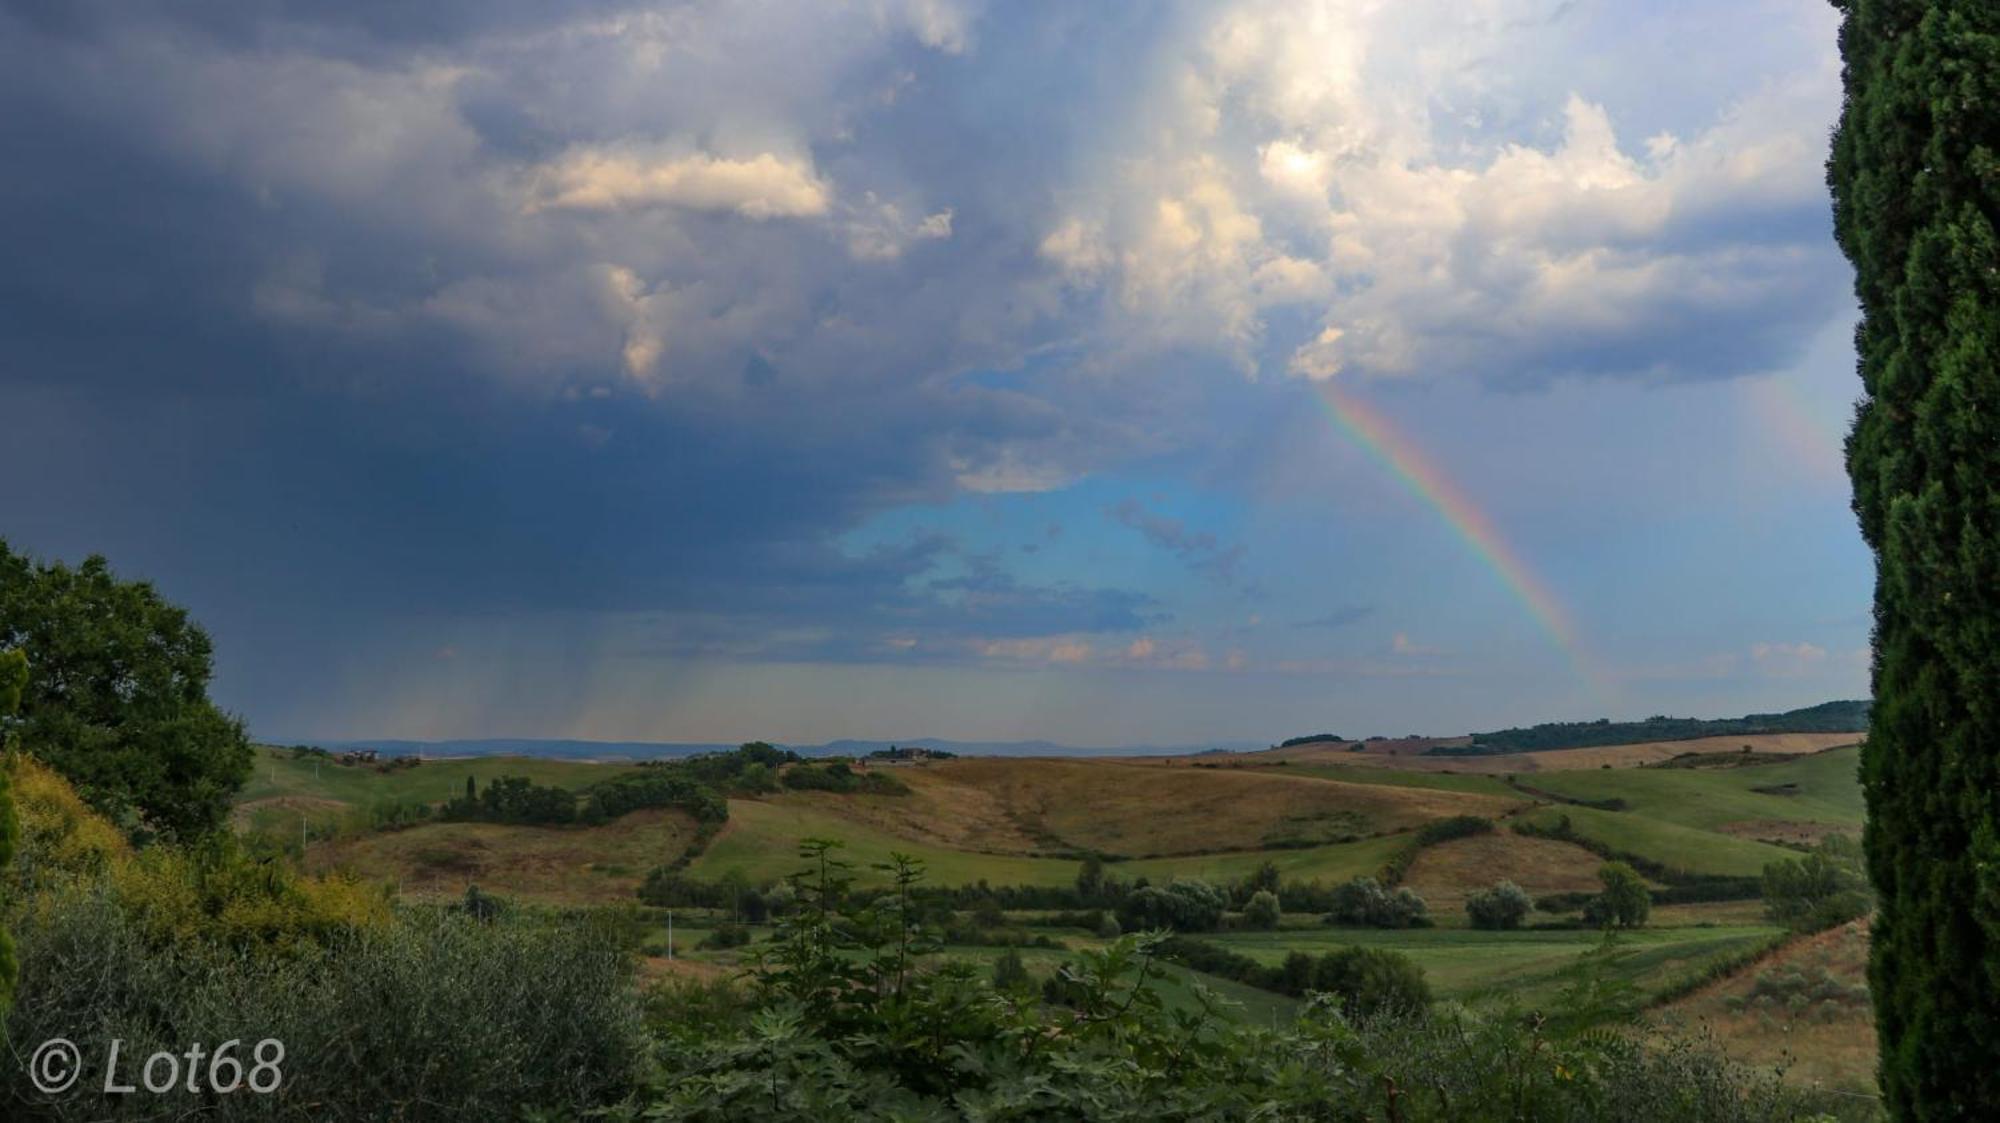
{"x": 1315, "y": 816}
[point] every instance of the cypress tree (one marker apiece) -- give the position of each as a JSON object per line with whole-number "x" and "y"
{"x": 1915, "y": 172}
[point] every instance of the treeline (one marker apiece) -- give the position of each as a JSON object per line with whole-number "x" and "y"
{"x": 1827, "y": 717}
{"x": 698, "y": 785}
{"x": 1365, "y": 980}
{"x": 1312, "y": 739}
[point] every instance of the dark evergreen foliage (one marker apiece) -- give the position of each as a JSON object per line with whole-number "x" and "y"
{"x": 1915, "y": 173}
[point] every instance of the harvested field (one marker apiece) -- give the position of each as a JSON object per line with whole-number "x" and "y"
{"x": 1446, "y": 873}
{"x": 562, "y": 865}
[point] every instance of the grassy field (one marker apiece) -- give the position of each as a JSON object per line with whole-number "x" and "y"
{"x": 1818, "y": 789}
{"x": 1829, "y": 1044}
{"x": 1445, "y": 874}
{"x": 1116, "y": 807}
{"x": 567, "y": 866}
{"x": 1411, "y": 755}
{"x": 1525, "y": 966}
{"x": 283, "y": 789}
{"x": 1403, "y": 778}
{"x": 761, "y": 842}
{"x": 1688, "y": 849}
{"x": 1022, "y": 822}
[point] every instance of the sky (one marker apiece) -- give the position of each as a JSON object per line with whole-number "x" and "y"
{"x": 1108, "y": 374}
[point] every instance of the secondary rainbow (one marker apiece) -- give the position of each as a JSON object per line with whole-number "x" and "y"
{"x": 1405, "y": 461}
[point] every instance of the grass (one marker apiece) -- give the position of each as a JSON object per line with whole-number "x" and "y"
{"x": 1445, "y": 874}
{"x": 1679, "y": 847}
{"x": 554, "y": 865}
{"x": 1013, "y": 822}
{"x": 762, "y": 838}
{"x": 1327, "y": 864}
{"x": 761, "y": 842}
{"x": 1399, "y": 778}
{"x": 1831, "y": 1047}
{"x": 1525, "y": 966}
{"x": 280, "y": 777}
{"x": 1714, "y": 799}
{"x": 1148, "y": 810}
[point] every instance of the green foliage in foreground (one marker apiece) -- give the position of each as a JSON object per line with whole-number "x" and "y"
{"x": 853, "y": 1012}
{"x": 438, "y": 1016}
{"x": 1915, "y": 173}
{"x": 844, "y": 1022}
{"x": 117, "y": 696}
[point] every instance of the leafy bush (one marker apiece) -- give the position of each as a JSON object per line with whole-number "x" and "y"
{"x": 515, "y": 799}
{"x": 1262, "y": 911}
{"x": 838, "y": 776}
{"x": 1625, "y": 901}
{"x": 1183, "y": 904}
{"x": 1505, "y": 905}
{"x": 1826, "y": 887}
{"x": 653, "y": 787}
{"x": 432, "y": 1017}
{"x": 1010, "y": 974}
{"x": 1372, "y": 981}
{"x": 417, "y": 1015}
{"x": 1363, "y": 902}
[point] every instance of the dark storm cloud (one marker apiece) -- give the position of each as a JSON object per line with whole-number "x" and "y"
{"x": 326, "y": 314}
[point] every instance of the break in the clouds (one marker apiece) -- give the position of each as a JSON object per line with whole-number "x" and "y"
{"x": 690, "y": 336}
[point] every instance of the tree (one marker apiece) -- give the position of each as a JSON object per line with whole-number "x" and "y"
{"x": 1090, "y": 879}
{"x": 1916, "y": 202}
{"x": 1822, "y": 889}
{"x": 1010, "y": 974}
{"x": 1372, "y": 981}
{"x": 471, "y": 789}
{"x": 1264, "y": 877}
{"x": 1363, "y": 901}
{"x": 1262, "y": 911}
{"x": 117, "y": 696}
{"x": 1183, "y": 904}
{"x": 1625, "y": 901}
{"x": 1504, "y": 906}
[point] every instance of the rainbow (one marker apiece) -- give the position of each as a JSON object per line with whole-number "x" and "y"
{"x": 1816, "y": 444}
{"x": 1408, "y": 464}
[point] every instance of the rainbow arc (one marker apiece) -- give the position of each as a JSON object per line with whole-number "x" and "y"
{"x": 1406, "y": 461}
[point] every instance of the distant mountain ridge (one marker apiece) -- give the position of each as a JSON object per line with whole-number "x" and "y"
{"x": 655, "y": 750}
{"x": 1847, "y": 716}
